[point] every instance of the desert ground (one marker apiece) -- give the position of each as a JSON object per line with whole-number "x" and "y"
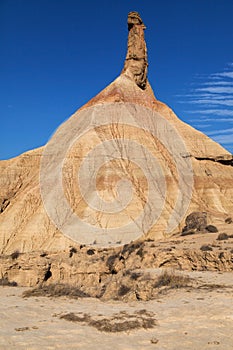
{"x": 194, "y": 318}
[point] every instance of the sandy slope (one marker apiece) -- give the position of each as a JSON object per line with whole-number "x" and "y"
{"x": 185, "y": 319}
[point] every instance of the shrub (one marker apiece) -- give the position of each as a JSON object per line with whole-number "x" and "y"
{"x": 135, "y": 275}
{"x": 123, "y": 290}
{"x": 111, "y": 262}
{"x": 43, "y": 254}
{"x": 5, "y": 282}
{"x": 131, "y": 247}
{"x": 56, "y": 290}
{"x": 140, "y": 252}
{"x": 73, "y": 251}
{"x": 211, "y": 228}
{"x": 15, "y": 254}
{"x": 206, "y": 248}
{"x": 172, "y": 280}
{"x": 228, "y": 220}
{"x": 222, "y": 237}
{"x": 186, "y": 233}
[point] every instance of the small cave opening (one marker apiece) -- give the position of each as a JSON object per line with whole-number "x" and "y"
{"x": 48, "y": 274}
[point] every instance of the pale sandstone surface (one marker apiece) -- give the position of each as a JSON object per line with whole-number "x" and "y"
{"x": 185, "y": 319}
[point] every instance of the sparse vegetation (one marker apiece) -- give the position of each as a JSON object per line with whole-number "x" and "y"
{"x": 222, "y": 237}
{"x": 206, "y": 248}
{"x": 111, "y": 262}
{"x": 154, "y": 341}
{"x": 211, "y": 228}
{"x": 5, "y": 282}
{"x": 140, "y": 252}
{"x": 135, "y": 275}
{"x": 76, "y": 318}
{"x": 131, "y": 247}
{"x": 56, "y": 290}
{"x": 15, "y": 254}
{"x": 43, "y": 254}
{"x": 221, "y": 255}
{"x": 120, "y": 322}
{"x": 228, "y": 220}
{"x": 123, "y": 290}
{"x": 90, "y": 252}
{"x": 186, "y": 233}
{"x": 73, "y": 251}
{"x": 172, "y": 280}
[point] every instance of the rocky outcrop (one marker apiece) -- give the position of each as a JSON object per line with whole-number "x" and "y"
{"x": 136, "y": 62}
{"x": 195, "y": 222}
{"x": 128, "y": 273}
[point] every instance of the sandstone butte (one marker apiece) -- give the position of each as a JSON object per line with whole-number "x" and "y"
{"x": 25, "y": 225}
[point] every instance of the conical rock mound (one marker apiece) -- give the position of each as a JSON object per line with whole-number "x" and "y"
{"x": 123, "y": 166}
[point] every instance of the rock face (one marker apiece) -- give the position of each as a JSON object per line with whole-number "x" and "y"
{"x": 177, "y": 149}
{"x": 102, "y": 273}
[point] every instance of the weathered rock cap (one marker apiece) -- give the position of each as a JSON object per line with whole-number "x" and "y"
{"x": 134, "y": 18}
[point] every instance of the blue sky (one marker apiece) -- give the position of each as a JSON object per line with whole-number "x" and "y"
{"x": 57, "y": 54}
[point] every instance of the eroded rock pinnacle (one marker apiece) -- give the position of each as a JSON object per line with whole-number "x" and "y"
{"x": 136, "y": 62}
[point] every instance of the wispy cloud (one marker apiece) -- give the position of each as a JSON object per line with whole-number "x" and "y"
{"x": 224, "y": 139}
{"x": 229, "y": 120}
{"x": 211, "y": 97}
{"x": 219, "y": 83}
{"x": 220, "y": 112}
{"x": 217, "y": 89}
{"x": 202, "y": 125}
{"x": 225, "y": 74}
{"x": 224, "y": 131}
{"x": 209, "y": 102}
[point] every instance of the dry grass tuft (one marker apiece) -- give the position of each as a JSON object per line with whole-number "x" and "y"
{"x": 172, "y": 280}
{"x": 6, "y": 282}
{"x": 120, "y": 322}
{"x": 56, "y": 290}
{"x": 123, "y": 290}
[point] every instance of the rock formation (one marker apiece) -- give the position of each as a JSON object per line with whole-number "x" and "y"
{"x": 136, "y": 59}
{"x": 25, "y": 224}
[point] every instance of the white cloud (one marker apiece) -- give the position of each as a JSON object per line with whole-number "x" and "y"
{"x": 202, "y": 125}
{"x": 210, "y": 96}
{"x": 219, "y": 82}
{"x": 220, "y": 132}
{"x": 212, "y": 99}
{"x": 225, "y": 74}
{"x": 227, "y": 120}
{"x": 213, "y": 96}
{"x": 220, "y": 112}
{"x": 213, "y": 102}
{"x": 217, "y": 90}
{"x": 225, "y": 139}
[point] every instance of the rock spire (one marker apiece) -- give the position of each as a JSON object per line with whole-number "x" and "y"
{"x": 136, "y": 63}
